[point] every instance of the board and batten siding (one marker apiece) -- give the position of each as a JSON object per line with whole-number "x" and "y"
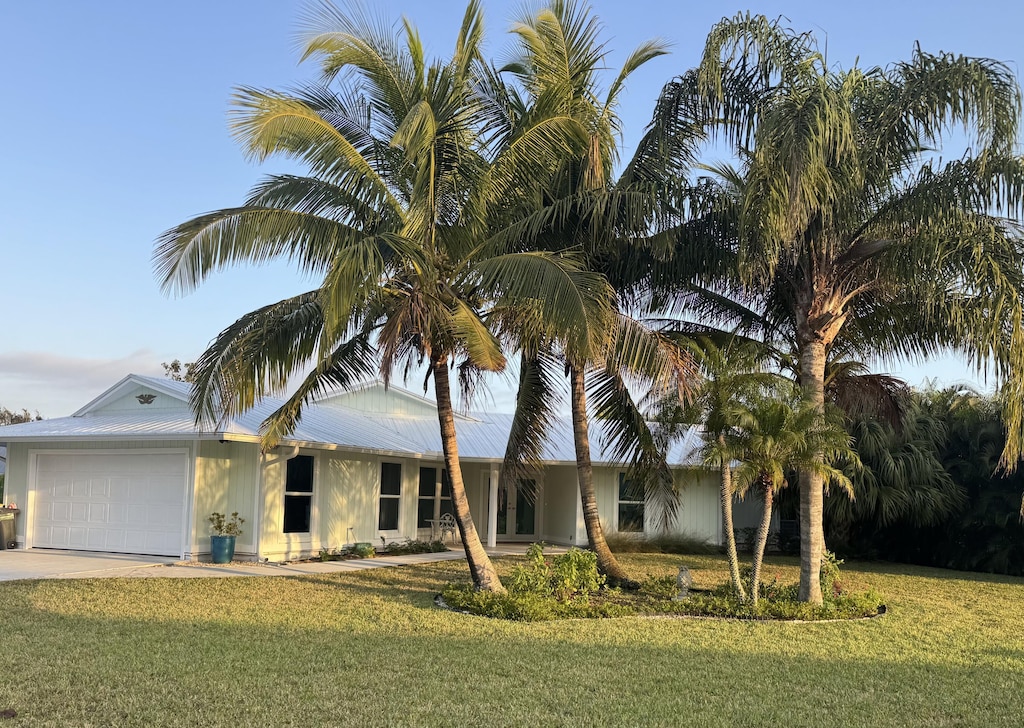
{"x": 700, "y": 510}
{"x": 563, "y": 518}
{"x": 346, "y": 490}
{"x": 699, "y": 514}
{"x": 130, "y": 403}
{"x": 227, "y": 477}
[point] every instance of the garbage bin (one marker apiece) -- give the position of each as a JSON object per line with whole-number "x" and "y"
{"x": 7, "y": 532}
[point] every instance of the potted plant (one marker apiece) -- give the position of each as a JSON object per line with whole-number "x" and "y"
{"x": 222, "y": 542}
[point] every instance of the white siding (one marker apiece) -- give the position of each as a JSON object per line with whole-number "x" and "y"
{"x": 227, "y": 475}
{"x": 130, "y": 403}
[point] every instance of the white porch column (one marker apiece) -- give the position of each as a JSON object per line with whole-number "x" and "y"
{"x": 492, "y": 508}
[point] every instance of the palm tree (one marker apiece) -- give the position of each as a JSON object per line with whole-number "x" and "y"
{"x": 731, "y": 373}
{"x": 394, "y": 217}
{"x": 846, "y": 224}
{"x": 903, "y": 480}
{"x": 578, "y": 207}
{"x": 773, "y": 434}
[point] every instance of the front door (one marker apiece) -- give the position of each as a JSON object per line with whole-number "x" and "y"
{"x": 518, "y": 511}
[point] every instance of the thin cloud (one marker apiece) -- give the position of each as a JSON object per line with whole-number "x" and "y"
{"x": 55, "y": 384}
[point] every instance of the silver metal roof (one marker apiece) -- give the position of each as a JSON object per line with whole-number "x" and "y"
{"x": 481, "y": 435}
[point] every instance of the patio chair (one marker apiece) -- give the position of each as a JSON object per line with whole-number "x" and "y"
{"x": 446, "y": 525}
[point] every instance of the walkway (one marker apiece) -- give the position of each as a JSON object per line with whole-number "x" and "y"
{"x": 53, "y": 564}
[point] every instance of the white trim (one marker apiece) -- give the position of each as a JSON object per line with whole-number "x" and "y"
{"x": 31, "y": 485}
{"x": 302, "y": 538}
{"x": 492, "y": 506}
{"x": 257, "y": 526}
{"x": 119, "y": 389}
{"x": 510, "y": 510}
{"x": 619, "y": 475}
{"x": 397, "y": 532}
{"x": 190, "y": 538}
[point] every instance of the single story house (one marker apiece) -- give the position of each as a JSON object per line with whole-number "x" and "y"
{"x": 130, "y": 472}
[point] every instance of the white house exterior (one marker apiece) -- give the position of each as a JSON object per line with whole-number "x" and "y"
{"x": 131, "y": 473}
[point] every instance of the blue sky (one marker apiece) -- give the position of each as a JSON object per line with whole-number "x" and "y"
{"x": 115, "y": 129}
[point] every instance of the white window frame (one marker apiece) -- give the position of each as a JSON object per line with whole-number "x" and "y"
{"x": 380, "y": 496}
{"x": 305, "y": 535}
{"x": 620, "y": 476}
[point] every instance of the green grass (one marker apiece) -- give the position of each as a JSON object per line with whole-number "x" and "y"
{"x": 369, "y": 648}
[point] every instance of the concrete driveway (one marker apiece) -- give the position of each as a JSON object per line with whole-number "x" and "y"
{"x": 55, "y": 564}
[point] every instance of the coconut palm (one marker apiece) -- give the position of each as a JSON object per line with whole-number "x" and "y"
{"x": 393, "y": 218}
{"x": 557, "y": 63}
{"x": 848, "y": 225}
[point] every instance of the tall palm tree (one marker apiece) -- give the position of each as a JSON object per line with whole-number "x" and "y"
{"x": 557, "y": 65}
{"x": 847, "y": 224}
{"x": 394, "y": 218}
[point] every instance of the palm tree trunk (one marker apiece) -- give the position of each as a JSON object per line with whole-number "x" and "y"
{"x": 725, "y": 492}
{"x": 762, "y": 542}
{"x": 606, "y": 561}
{"x": 484, "y": 575}
{"x": 812, "y": 487}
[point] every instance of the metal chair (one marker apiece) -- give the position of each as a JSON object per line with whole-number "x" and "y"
{"x": 447, "y": 525}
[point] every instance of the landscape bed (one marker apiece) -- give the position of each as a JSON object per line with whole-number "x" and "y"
{"x": 371, "y": 648}
{"x": 568, "y": 586}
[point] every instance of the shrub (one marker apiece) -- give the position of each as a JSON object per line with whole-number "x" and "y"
{"x": 364, "y": 550}
{"x": 221, "y": 526}
{"x": 567, "y": 577}
{"x": 401, "y": 548}
{"x": 660, "y": 545}
{"x": 574, "y": 575}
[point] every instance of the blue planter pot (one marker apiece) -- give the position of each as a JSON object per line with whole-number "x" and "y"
{"x": 222, "y": 549}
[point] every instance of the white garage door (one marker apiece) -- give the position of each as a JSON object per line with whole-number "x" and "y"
{"x": 125, "y": 502}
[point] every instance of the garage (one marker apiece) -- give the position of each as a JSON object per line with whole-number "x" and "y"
{"x": 124, "y": 502}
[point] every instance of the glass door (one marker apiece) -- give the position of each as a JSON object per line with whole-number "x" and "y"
{"x": 517, "y": 511}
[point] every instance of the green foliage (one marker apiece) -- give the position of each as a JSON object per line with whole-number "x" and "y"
{"x": 665, "y": 544}
{"x": 779, "y": 600}
{"x": 568, "y": 586}
{"x": 830, "y": 583}
{"x": 410, "y": 546}
{"x": 574, "y": 575}
{"x": 364, "y": 550}
{"x": 179, "y": 372}
{"x": 221, "y": 526}
{"x": 540, "y": 589}
{"x": 567, "y": 577}
{"x": 932, "y": 492}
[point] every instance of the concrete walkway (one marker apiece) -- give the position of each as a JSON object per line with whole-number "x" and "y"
{"x": 54, "y": 564}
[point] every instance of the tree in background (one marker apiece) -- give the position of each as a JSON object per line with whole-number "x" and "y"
{"x": 178, "y": 372}
{"x": 13, "y": 417}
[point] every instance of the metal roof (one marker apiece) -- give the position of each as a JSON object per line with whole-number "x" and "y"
{"x": 481, "y": 436}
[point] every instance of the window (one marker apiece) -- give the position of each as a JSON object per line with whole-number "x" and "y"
{"x": 427, "y": 492}
{"x": 390, "y": 496}
{"x": 631, "y": 506}
{"x": 435, "y": 497}
{"x": 298, "y": 494}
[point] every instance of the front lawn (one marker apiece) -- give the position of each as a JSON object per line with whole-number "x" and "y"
{"x": 370, "y": 648}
